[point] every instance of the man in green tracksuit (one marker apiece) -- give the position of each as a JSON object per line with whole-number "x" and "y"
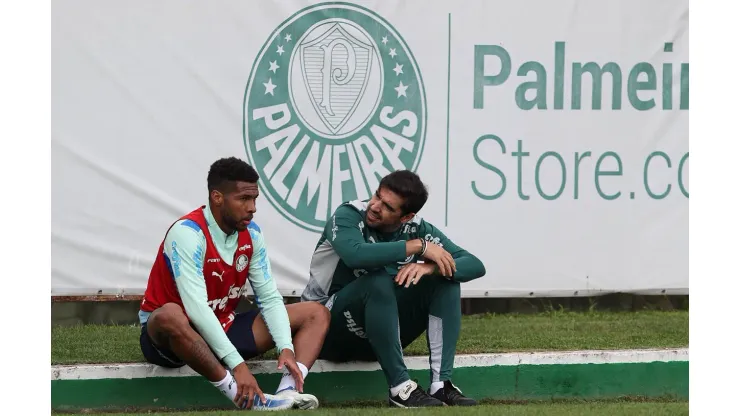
{"x": 387, "y": 276}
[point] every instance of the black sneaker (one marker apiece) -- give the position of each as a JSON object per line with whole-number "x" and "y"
{"x": 413, "y": 396}
{"x": 452, "y": 396}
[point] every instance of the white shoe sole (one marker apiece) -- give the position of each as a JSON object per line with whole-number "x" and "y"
{"x": 305, "y": 401}
{"x": 395, "y": 403}
{"x": 271, "y": 409}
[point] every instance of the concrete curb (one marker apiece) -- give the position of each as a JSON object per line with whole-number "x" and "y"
{"x": 145, "y": 370}
{"x": 654, "y": 373}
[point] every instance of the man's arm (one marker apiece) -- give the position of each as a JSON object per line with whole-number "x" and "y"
{"x": 269, "y": 300}
{"x": 185, "y": 246}
{"x": 345, "y": 236}
{"x": 468, "y": 266}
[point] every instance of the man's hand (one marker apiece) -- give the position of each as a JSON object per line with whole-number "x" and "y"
{"x": 287, "y": 359}
{"x": 246, "y": 387}
{"x": 412, "y": 273}
{"x": 444, "y": 260}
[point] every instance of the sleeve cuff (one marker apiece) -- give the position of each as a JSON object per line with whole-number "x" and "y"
{"x": 401, "y": 250}
{"x": 286, "y": 346}
{"x": 233, "y": 359}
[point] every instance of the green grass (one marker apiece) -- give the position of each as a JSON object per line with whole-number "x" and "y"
{"x": 553, "y": 409}
{"x": 480, "y": 334}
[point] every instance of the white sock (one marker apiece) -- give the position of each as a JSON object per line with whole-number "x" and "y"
{"x": 436, "y": 386}
{"x": 288, "y": 380}
{"x": 397, "y": 389}
{"x": 227, "y": 386}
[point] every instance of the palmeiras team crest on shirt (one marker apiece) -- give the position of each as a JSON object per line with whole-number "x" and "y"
{"x": 241, "y": 263}
{"x": 335, "y": 101}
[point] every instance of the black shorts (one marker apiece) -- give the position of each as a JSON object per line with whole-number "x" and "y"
{"x": 240, "y": 334}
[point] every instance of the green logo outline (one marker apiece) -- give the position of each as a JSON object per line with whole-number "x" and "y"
{"x": 264, "y": 184}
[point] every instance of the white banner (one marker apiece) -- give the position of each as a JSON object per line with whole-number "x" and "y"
{"x": 553, "y": 135}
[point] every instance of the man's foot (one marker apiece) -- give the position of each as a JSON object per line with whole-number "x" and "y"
{"x": 274, "y": 403}
{"x": 413, "y": 396}
{"x": 452, "y": 396}
{"x": 301, "y": 401}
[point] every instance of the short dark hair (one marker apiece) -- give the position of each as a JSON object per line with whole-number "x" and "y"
{"x": 407, "y": 185}
{"x": 229, "y": 170}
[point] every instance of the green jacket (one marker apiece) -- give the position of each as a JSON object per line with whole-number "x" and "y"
{"x": 348, "y": 249}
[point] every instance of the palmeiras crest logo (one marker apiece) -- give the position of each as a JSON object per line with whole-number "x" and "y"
{"x": 335, "y": 101}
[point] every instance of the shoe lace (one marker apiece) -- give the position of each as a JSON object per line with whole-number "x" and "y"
{"x": 417, "y": 393}
{"x": 453, "y": 393}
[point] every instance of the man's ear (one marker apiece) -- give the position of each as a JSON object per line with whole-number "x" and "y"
{"x": 408, "y": 217}
{"x": 217, "y": 197}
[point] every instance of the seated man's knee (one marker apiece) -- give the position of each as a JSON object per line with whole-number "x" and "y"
{"x": 319, "y": 314}
{"x": 380, "y": 284}
{"x": 170, "y": 319}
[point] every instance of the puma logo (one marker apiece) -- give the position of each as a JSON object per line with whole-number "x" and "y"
{"x": 406, "y": 392}
{"x": 220, "y": 276}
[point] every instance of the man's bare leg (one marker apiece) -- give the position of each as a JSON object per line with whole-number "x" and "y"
{"x": 309, "y": 323}
{"x": 169, "y": 328}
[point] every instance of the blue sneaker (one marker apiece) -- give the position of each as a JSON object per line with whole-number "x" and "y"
{"x": 273, "y": 403}
{"x": 301, "y": 401}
